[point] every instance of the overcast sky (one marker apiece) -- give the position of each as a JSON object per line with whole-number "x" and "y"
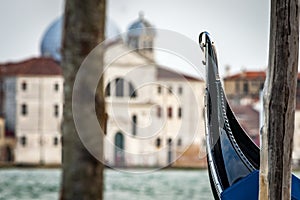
{"x": 240, "y": 28}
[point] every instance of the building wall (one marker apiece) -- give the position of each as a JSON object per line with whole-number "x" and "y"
{"x": 37, "y": 126}
{"x": 137, "y": 72}
{"x": 142, "y": 148}
{"x": 241, "y": 88}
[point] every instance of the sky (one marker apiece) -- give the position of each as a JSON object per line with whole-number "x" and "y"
{"x": 239, "y": 28}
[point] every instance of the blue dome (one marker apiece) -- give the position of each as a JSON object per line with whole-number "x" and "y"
{"x": 51, "y": 41}
{"x": 139, "y": 27}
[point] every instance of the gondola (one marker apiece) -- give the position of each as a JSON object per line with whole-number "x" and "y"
{"x": 233, "y": 158}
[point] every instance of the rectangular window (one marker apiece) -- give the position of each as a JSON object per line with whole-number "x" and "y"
{"x": 170, "y": 112}
{"x": 55, "y": 141}
{"x": 158, "y": 142}
{"x": 237, "y": 87}
{"x": 134, "y": 123}
{"x": 159, "y": 89}
{"x": 170, "y": 89}
{"x": 179, "y": 112}
{"x": 56, "y": 87}
{"x": 24, "y": 110}
{"x": 56, "y": 110}
{"x": 180, "y": 90}
{"x": 158, "y": 111}
{"x": 246, "y": 88}
{"x": 23, "y": 141}
{"x": 24, "y": 86}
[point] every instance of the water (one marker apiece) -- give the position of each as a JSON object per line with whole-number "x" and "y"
{"x": 43, "y": 184}
{"x": 29, "y": 184}
{"x": 164, "y": 184}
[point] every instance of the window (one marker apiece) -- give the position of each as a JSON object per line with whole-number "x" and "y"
{"x": 134, "y": 123}
{"x": 262, "y": 86}
{"x": 159, "y": 89}
{"x": 24, "y": 109}
{"x": 158, "y": 142}
{"x": 23, "y": 141}
{"x": 56, "y": 87}
{"x": 180, "y": 90}
{"x": 169, "y": 141}
{"x": 132, "y": 91}
{"x": 158, "y": 111}
{"x": 55, "y": 141}
{"x": 107, "y": 91}
{"x": 119, "y": 87}
{"x": 179, "y": 142}
{"x": 170, "y": 89}
{"x": 24, "y": 86}
{"x": 179, "y": 112}
{"x": 56, "y": 110}
{"x": 246, "y": 89}
{"x": 170, "y": 112}
{"x": 237, "y": 86}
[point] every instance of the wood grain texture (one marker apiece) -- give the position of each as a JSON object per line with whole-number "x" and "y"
{"x": 279, "y": 101}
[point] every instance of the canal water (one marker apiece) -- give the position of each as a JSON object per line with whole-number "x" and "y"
{"x": 43, "y": 184}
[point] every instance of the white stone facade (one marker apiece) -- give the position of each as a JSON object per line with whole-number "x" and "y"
{"x": 33, "y": 109}
{"x": 159, "y": 122}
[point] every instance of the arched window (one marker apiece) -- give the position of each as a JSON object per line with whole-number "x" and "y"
{"x": 119, "y": 150}
{"x": 120, "y": 88}
{"x": 132, "y": 92}
{"x": 107, "y": 90}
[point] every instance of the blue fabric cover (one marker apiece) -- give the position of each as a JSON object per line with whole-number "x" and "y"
{"x": 247, "y": 188}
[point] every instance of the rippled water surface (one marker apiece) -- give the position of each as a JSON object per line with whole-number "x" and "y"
{"x": 165, "y": 184}
{"x": 43, "y": 184}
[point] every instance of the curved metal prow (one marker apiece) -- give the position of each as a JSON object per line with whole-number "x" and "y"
{"x": 231, "y": 154}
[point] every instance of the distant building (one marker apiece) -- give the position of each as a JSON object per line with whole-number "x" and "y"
{"x": 244, "y": 85}
{"x": 32, "y": 100}
{"x": 244, "y": 88}
{"x": 154, "y": 113}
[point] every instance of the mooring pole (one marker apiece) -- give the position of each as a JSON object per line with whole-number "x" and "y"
{"x": 279, "y": 101}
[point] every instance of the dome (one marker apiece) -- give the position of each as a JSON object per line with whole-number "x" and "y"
{"x": 51, "y": 41}
{"x": 140, "y": 26}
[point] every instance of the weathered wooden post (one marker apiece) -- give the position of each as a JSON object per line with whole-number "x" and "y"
{"x": 279, "y": 101}
{"x": 83, "y": 30}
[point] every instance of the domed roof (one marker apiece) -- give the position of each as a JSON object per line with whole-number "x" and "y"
{"x": 140, "y": 26}
{"x": 51, "y": 41}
